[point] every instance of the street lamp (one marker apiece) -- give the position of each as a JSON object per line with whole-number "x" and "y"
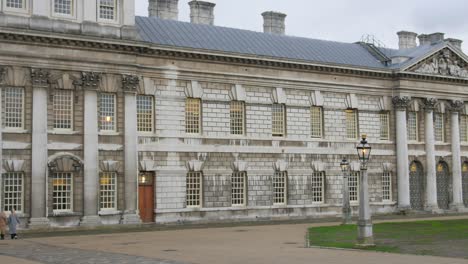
{"x": 365, "y": 233}
{"x": 345, "y": 168}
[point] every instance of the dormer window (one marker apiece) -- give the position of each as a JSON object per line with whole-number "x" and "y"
{"x": 63, "y": 7}
{"x": 107, "y": 9}
{"x": 15, "y": 4}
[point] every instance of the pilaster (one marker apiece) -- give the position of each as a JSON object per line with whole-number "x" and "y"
{"x": 455, "y": 108}
{"x": 431, "y": 181}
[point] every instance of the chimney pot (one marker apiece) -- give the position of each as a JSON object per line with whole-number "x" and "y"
{"x": 407, "y": 40}
{"x": 202, "y": 12}
{"x": 274, "y": 22}
{"x": 164, "y": 9}
{"x": 436, "y": 37}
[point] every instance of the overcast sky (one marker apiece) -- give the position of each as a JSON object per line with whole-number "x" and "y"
{"x": 342, "y": 20}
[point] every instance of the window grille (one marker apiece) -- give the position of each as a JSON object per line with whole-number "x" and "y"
{"x": 107, "y": 9}
{"x": 194, "y": 189}
{"x": 192, "y": 116}
{"x": 412, "y": 126}
{"x": 439, "y": 127}
{"x": 15, "y": 3}
{"x": 280, "y": 187}
{"x": 386, "y": 186}
{"x": 278, "y": 120}
{"x": 13, "y": 191}
{"x": 62, "y": 192}
{"x": 13, "y": 107}
{"x": 384, "y": 126}
{"x": 63, "y": 109}
{"x": 63, "y": 7}
{"x": 352, "y": 124}
{"x": 316, "y": 122}
{"x": 353, "y": 184}
{"x": 145, "y": 110}
{"x": 318, "y": 187}
{"x": 237, "y": 117}
{"x": 108, "y": 190}
{"x": 238, "y": 188}
{"x": 107, "y": 115}
{"x": 463, "y": 128}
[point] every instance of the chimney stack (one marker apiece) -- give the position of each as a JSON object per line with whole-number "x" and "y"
{"x": 457, "y": 43}
{"x": 274, "y": 22}
{"x": 202, "y": 12}
{"x": 164, "y": 9}
{"x": 407, "y": 40}
{"x": 424, "y": 40}
{"x": 436, "y": 37}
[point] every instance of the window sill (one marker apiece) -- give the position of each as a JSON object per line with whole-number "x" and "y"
{"x": 15, "y": 131}
{"x": 110, "y": 133}
{"x": 65, "y": 213}
{"x": 63, "y": 132}
{"x": 109, "y": 212}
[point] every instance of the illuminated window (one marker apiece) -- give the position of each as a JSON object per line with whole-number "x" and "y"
{"x": 108, "y": 191}
{"x": 316, "y": 122}
{"x": 280, "y": 188}
{"x": 352, "y": 129}
{"x": 107, "y": 9}
{"x": 63, "y": 7}
{"x": 15, "y": 4}
{"x": 237, "y": 117}
{"x": 412, "y": 126}
{"x": 463, "y": 128}
{"x": 192, "y": 116}
{"x": 13, "y": 107}
{"x": 353, "y": 184}
{"x": 387, "y": 186}
{"x": 439, "y": 127}
{"x": 318, "y": 187}
{"x": 62, "y": 192}
{"x": 194, "y": 189}
{"x": 384, "y": 126}
{"x": 13, "y": 191}
{"x": 278, "y": 120}
{"x": 238, "y": 188}
{"x": 107, "y": 116}
{"x": 63, "y": 109}
{"x": 145, "y": 111}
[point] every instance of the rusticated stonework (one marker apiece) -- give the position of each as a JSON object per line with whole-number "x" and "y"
{"x": 445, "y": 63}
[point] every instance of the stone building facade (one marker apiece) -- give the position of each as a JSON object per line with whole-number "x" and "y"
{"x": 109, "y": 118}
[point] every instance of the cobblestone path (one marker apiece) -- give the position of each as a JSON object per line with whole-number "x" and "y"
{"x": 43, "y": 253}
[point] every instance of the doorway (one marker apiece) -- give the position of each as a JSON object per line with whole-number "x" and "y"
{"x": 416, "y": 186}
{"x": 443, "y": 184}
{"x": 146, "y": 196}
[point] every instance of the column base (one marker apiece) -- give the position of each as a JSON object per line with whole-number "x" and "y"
{"x": 39, "y": 223}
{"x": 131, "y": 219}
{"x": 403, "y": 209}
{"x": 434, "y": 209}
{"x": 460, "y": 208}
{"x": 90, "y": 220}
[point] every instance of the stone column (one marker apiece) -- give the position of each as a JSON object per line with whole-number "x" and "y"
{"x": 40, "y": 84}
{"x": 431, "y": 180}
{"x": 130, "y": 85}
{"x": 90, "y": 83}
{"x": 457, "y": 203}
{"x": 400, "y": 104}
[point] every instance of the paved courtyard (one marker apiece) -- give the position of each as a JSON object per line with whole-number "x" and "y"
{"x": 252, "y": 244}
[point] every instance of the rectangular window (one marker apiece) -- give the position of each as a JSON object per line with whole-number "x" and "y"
{"x": 384, "y": 126}
{"x": 238, "y": 188}
{"x": 108, "y": 191}
{"x": 13, "y": 107}
{"x": 237, "y": 117}
{"x": 192, "y": 116}
{"x": 412, "y": 126}
{"x": 352, "y": 128}
{"x": 107, "y": 9}
{"x": 15, "y": 4}
{"x": 463, "y": 128}
{"x": 439, "y": 127}
{"x": 280, "y": 188}
{"x": 107, "y": 115}
{"x": 62, "y": 192}
{"x": 316, "y": 122}
{"x": 145, "y": 110}
{"x": 13, "y": 191}
{"x": 63, "y": 109}
{"x": 194, "y": 189}
{"x": 353, "y": 184}
{"x": 386, "y": 186}
{"x": 63, "y": 7}
{"x": 318, "y": 187}
{"x": 278, "y": 120}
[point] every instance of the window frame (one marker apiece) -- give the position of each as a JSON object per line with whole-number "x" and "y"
{"x": 354, "y": 184}
{"x": 463, "y": 126}
{"x": 72, "y": 117}
{"x": 384, "y": 133}
{"x": 188, "y": 103}
{"x": 153, "y": 125}
{"x": 284, "y": 192}
{"x": 416, "y": 126}
{"x": 24, "y": 10}
{"x": 274, "y": 118}
{"x": 243, "y": 175}
{"x": 72, "y": 15}
{"x": 23, "y": 110}
{"x": 72, "y": 193}
{"x": 114, "y": 116}
{"x": 315, "y": 175}
{"x": 241, "y": 105}
{"x": 439, "y": 131}
{"x": 194, "y": 197}
{"x": 105, "y": 20}
{"x": 387, "y": 184}
{"x": 4, "y": 192}
{"x": 355, "y": 113}
{"x": 112, "y": 176}
{"x": 320, "y": 122}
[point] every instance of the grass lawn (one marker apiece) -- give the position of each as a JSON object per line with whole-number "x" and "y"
{"x": 438, "y": 238}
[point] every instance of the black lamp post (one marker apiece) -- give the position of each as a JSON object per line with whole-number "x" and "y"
{"x": 365, "y": 232}
{"x": 345, "y": 168}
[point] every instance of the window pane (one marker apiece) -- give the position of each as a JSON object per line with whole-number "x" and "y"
{"x": 13, "y": 104}
{"x": 15, "y": 3}
{"x": 237, "y": 117}
{"x": 384, "y": 126}
{"x": 238, "y": 188}
{"x": 280, "y": 187}
{"x": 318, "y": 186}
{"x": 463, "y": 128}
{"x": 62, "y": 192}
{"x": 192, "y": 115}
{"x": 63, "y": 109}
{"x": 316, "y": 121}
{"x": 412, "y": 126}
{"x": 145, "y": 113}
{"x": 194, "y": 189}
{"x": 439, "y": 127}
{"x": 278, "y": 120}
{"x": 63, "y": 7}
{"x": 351, "y": 124}
{"x": 108, "y": 190}
{"x": 107, "y": 112}
{"x": 353, "y": 184}
{"x": 107, "y": 9}
{"x": 13, "y": 191}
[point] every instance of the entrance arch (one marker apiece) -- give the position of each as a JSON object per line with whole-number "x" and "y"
{"x": 416, "y": 180}
{"x": 443, "y": 184}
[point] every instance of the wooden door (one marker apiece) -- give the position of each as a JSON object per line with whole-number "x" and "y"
{"x": 146, "y": 197}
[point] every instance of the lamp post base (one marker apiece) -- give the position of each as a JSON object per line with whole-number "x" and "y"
{"x": 365, "y": 234}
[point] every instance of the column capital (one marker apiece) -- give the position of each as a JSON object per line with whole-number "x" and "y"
{"x": 456, "y": 106}
{"x": 40, "y": 77}
{"x": 401, "y": 102}
{"x": 130, "y": 83}
{"x": 3, "y": 72}
{"x": 89, "y": 80}
{"x": 429, "y": 104}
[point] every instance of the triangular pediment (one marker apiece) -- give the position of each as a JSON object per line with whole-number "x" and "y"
{"x": 444, "y": 62}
